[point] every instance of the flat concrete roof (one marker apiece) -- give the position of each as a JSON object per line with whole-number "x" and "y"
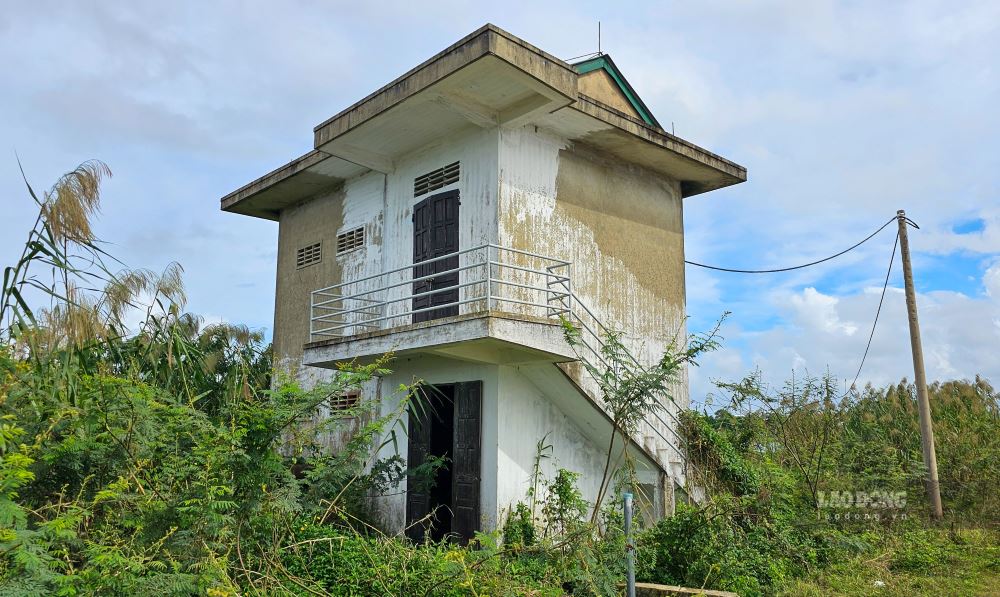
{"x": 488, "y": 78}
{"x": 487, "y": 40}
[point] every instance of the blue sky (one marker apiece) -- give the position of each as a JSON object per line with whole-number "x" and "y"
{"x": 843, "y": 112}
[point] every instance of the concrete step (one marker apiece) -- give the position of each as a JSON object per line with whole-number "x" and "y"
{"x": 646, "y": 589}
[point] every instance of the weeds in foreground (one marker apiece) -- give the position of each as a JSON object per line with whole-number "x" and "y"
{"x": 164, "y": 459}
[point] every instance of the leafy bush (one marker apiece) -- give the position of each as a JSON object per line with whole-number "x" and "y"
{"x": 519, "y": 529}
{"x": 166, "y": 460}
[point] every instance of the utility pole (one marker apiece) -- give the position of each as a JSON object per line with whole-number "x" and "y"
{"x": 919, "y": 377}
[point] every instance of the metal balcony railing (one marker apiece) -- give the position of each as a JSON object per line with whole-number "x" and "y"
{"x": 490, "y": 278}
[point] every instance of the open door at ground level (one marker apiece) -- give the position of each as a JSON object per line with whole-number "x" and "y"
{"x": 447, "y": 427}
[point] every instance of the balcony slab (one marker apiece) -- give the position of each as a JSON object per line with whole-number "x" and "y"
{"x": 483, "y": 337}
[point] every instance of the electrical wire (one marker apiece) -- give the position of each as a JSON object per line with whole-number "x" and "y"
{"x": 788, "y": 269}
{"x": 885, "y": 286}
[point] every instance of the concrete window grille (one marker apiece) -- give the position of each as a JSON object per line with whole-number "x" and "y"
{"x": 309, "y": 255}
{"x": 436, "y": 179}
{"x": 350, "y": 240}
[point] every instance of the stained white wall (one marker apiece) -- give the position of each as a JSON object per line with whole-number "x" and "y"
{"x": 620, "y": 225}
{"x": 383, "y": 205}
{"x": 525, "y": 417}
{"x": 476, "y": 150}
{"x": 511, "y": 194}
{"x": 516, "y": 415}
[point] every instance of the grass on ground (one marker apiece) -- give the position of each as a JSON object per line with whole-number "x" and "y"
{"x": 917, "y": 562}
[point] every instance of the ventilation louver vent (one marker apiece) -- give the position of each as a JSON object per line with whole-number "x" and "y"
{"x": 345, "y": 401}
{"x": 435, "y": 180}
{"x": 350, "y": 240}
{"x": 308, "y": 255}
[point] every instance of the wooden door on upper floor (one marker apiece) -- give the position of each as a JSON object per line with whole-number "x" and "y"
{"x": 435, "y": 234}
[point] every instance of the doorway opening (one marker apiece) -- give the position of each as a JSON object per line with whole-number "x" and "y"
{"x": 442, "y": 433}
{"x": 446, "y": 426}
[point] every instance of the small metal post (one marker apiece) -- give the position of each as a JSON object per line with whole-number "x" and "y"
{"x": 569, "y": 291}
{"x": 489, "y": 277}
{"x": 629, "y": 546}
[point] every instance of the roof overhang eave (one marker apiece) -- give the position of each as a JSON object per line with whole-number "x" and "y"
{"x": 617, "y": 133}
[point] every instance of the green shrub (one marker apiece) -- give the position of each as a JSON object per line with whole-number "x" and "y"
{"x": 519, "y": 529}
{"x": 162, "y": 461}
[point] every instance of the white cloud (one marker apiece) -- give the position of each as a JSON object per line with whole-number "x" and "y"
{"x": 959, "y": 334}
{"x": 843, "y": 112}
{"x": 991, "y": 281}
{"x": 819, "y": 311}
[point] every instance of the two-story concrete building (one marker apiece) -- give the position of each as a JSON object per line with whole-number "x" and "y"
{"x": 453, "y": 217}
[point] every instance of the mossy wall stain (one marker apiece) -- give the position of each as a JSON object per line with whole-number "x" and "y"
{"x": 620, "y": 225}
{"x": 634, "y": 218}
{"x": 316, "y": 220}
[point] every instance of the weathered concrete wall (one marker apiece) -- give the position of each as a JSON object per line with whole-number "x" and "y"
{"x": 383, "y": 205}
{"x": 515, "y": 416}
{"x": 316, "y": 220}
{"x": 620, "y": 225}
{"x": 358, "y": 203}
{"x": 476, "y": 149}
{"x": 599, "y": 85}
{"x": 526, "y": 416}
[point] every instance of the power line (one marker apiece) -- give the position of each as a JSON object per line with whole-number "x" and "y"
{"x": 885, "y": 286}
{"x": 788, "y": 269}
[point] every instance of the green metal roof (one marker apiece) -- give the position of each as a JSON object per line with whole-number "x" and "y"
{"x": 604, "y": 62}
